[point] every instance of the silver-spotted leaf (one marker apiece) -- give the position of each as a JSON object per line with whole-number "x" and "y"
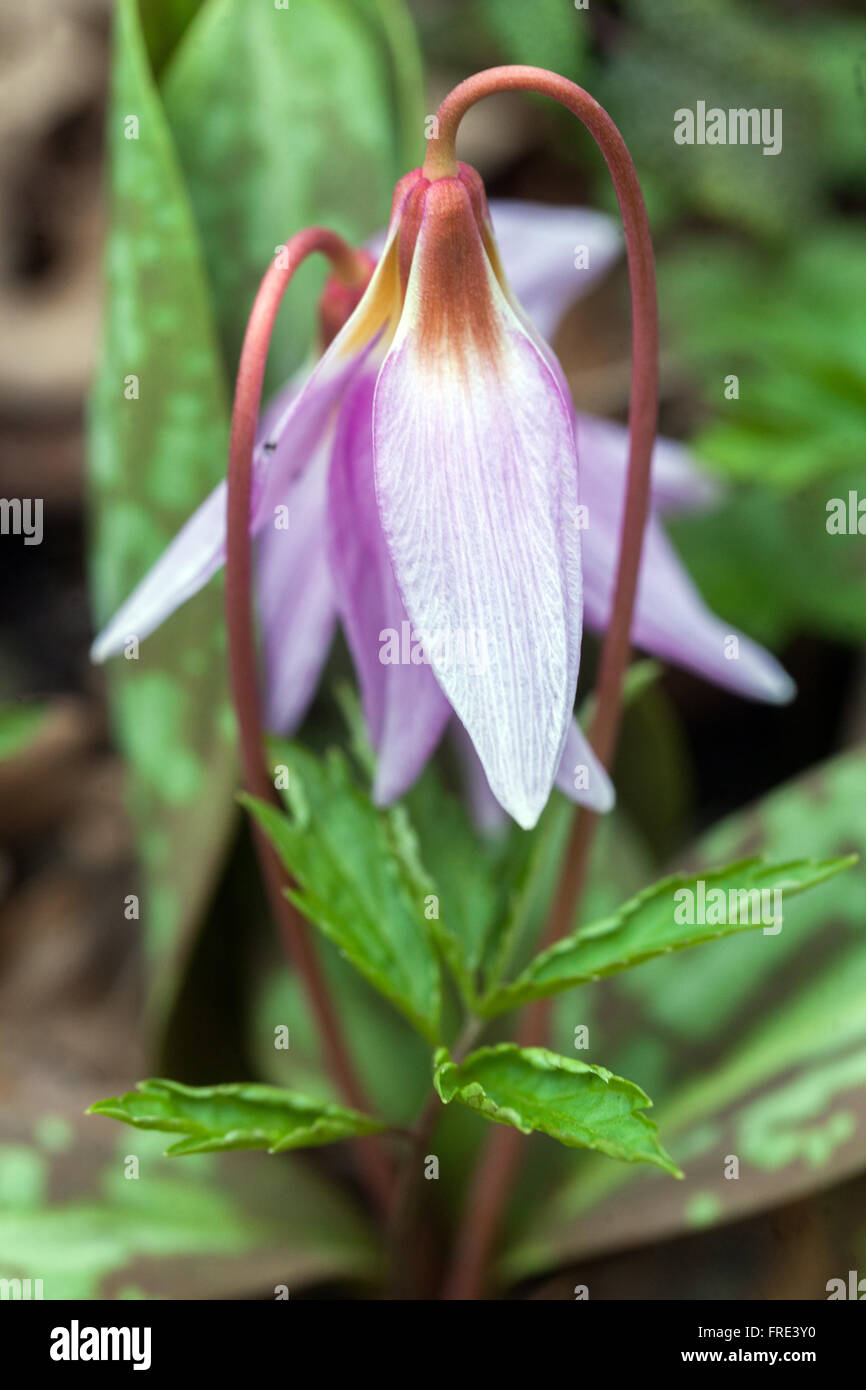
{"x": 158, "y": 434}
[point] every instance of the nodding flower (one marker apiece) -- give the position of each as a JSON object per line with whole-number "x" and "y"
{"x": 428, "y": 475}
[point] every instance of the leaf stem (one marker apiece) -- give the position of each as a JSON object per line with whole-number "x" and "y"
{"x": 373, "y": 1162}
{"x": 499, "y": 1162}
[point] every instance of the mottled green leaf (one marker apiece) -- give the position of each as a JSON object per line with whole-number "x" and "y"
{"x": 583, "y": 1106}
{"x": 357, "y": 880}
{"x": 754, "y": 1047}
{"x": 283, "y": 118}
{"x": 97, "y": 1212}
{"x": 158, "y": 433}
{"x": 658, "y": 920}
{"x": 242, "y": 1115}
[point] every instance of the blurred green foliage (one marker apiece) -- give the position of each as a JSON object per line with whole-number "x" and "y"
{"x": 789, "y": 327}
{"x": 546, "y": 33}
{"x": 163, "y": 23}
{"x": 20, "y": 726}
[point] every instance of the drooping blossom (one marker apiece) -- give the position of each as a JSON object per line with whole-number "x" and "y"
{"x": 428, "y": 467}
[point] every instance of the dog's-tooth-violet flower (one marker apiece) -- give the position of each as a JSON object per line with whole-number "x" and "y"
{"x": 428, "y": 467}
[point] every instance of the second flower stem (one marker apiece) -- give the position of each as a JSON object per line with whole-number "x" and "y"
{"x": 373, "y": 1161}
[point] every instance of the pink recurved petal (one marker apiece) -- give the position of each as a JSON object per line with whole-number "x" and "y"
{"x": 581, "y": 776}
{"x": 198, "y": 550}
{"x": 552, "y": 255}
{"x": 678, "y": 485}
{"x": 405, "y": 710}
{"x": 479, "y": 504}
{"x": 296, "y": 596}
{"x": 293, "y": 429}
{"x": 196, "y": 553}
{"x": 671, "y": 619}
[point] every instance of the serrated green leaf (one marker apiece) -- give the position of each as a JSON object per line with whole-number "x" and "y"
{"x": 582, "y": 1106}
{"x": 357, "y": 880}
{"x": 486, "y": 889}
{"x": 654, "y": 923}
{"x": 462, "y": 866}
{"x": 241, "y": 1115}
{"x": 529, "y": 863}
{"x": 154, "y": 457}
{"x": 283, "y": 119}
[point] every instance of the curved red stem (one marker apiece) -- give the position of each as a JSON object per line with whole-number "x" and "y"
{"x": 373, "y": 1162}
{"x": 500, "y": 1160}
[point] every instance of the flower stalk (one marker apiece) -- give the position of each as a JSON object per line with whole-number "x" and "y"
{"x": 501, "y": 1157}
{"x": 353, "y": 271}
